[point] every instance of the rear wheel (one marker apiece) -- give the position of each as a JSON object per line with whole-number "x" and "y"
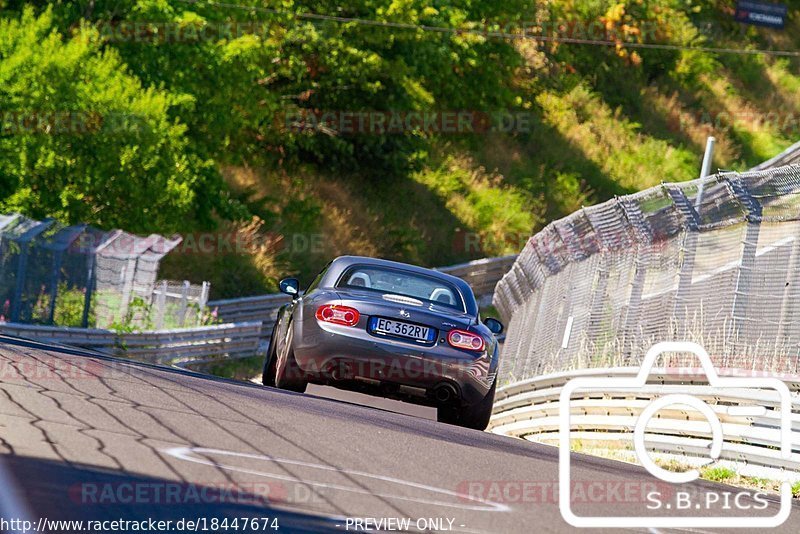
{"x": 288, "y": 374}
{"x": 475, "y": 416}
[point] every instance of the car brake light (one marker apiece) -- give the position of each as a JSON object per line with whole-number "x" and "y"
{"x": 344, "y": 315}
{"x": 461, "y": 339}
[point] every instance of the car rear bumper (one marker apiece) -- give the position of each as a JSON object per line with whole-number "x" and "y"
{"x": 348, "y": 355}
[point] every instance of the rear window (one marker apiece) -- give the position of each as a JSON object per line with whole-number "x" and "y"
{"x": 398, "y": 282}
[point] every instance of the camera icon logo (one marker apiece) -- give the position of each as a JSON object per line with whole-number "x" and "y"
{"x": 681, "y": 396}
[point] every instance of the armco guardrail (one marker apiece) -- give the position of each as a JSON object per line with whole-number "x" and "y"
{"x": 530, "y": 409}
{"x": 258, "y": 308}
{"x": 159, "y": 346}
{"x": 482, "y": 275}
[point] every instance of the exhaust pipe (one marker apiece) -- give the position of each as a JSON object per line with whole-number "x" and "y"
{"x": 341, "y": 371}
{"x": 445, "y": 393}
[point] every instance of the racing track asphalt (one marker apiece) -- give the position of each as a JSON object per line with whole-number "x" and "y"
{"x": 91, "y": 437}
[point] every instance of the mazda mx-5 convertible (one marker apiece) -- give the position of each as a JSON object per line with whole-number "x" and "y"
{"x": 389, "y": 329}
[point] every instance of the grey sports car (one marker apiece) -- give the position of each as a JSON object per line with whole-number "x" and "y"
{"x": 391, "y": 329}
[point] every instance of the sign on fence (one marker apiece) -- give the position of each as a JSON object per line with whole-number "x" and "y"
{"x": 765, "y": 14}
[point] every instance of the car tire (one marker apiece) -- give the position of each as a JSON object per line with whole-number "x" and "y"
{"x": 288, "y": 374}
{"x": 475, "y": 416}
{"x": 270, "y": 361}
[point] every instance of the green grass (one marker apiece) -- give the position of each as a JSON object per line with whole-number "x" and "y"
{"x": 718, "y": 474}
{"x": 238, "y": 369}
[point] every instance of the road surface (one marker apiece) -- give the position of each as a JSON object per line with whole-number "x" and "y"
{"x": 95, "y": 438}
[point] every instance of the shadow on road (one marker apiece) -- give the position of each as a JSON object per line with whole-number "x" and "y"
{"x": 61, "y": 492}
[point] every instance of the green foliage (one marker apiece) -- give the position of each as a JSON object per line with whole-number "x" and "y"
{"x": 87, "y": 142}
{"x": 243, "y": 89}
{"x": 164, "y": 95}
{"x": 70, "y": 306}
{"x": 238, "y": 369}
{"x": 498, "y": 214}
{"x": 718, "y": 473}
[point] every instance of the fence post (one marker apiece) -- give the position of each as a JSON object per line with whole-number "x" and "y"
{"x": 691, "y": 234}
{"x": 203, "y": 302}
{"x": 184, "y": 303}
{"x": 24, "y": 242}
{"x": 22, "y": 264}
{"x": 57, "y": 257}
{"x": 161, "y": 302}
{"x": 642, "y": 249}
{"x": 87, "y": 298}
{"x": 749, "y": 247}
{"x": 599, "y": 284}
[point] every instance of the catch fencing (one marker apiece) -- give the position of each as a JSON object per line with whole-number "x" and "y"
{"x": 715, "y": 261}
{"x": 81, "y": 276}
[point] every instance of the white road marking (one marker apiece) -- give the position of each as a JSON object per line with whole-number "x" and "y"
{"x": 187, "y": 454}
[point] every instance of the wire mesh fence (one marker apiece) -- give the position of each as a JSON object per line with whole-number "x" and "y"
{"x": 81, "y": 276}
{"x": 715, "y": 260}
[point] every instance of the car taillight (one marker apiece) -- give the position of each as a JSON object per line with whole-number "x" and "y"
{"x": 344, "y": 315}
{"x": 461, "y": 339}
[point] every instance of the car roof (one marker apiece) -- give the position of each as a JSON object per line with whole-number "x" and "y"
{"x": 341, "y": 263}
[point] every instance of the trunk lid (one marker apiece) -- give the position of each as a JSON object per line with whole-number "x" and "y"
{"x": 405, "y": 309}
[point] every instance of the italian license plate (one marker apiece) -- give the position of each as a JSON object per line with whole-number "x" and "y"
{"x": 401, "y": 329}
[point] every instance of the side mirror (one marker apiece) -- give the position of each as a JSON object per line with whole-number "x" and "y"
{"x": 494, "y": 325}
{"x": 290, "y": 286}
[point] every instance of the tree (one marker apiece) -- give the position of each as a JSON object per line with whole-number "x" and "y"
{"x": 83, "y": 140}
